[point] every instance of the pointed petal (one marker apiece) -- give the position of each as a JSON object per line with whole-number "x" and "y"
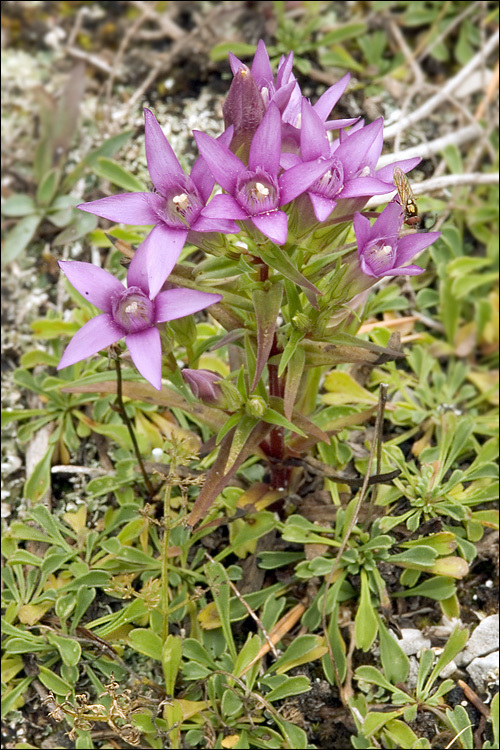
{"x": 365, "y": 186}
{"x": 94, "y": 284}
{"x": 266, "y": 144}
{"x": 329, "y": 99}
{"x": 389, "y": 222}
{"x": 362, "y": 229}
{"x": 274, "y": 225}
{"x": 95, "y": 335}
{"x": 155, "y": 258}
{"x": 163, "y": 164}
{"x": 177, "y": 303}
{"x": 261, "y": 66}
{"x": 353, "y": 150}
{"x": 224, "y": 165}
{"x": 125, "y": 208}
{"x": 224, "y": 207}
{"x": 298, "y": 179}
{"x": 205, "y": 224}
{"x": 412, "y": 244}
{"x": 236, "y": 64}
{"x": 386, "y": 174}
{"x": 284, "y": 74}
{"x": 201, "y": 174}
{"x": 340, "y": 124}
{"x": 314, "y": 140}
{"x": 145, "y": 350}
{"x": 322, "y": 206}
{"x": 406, "y": 271}
{"x": 283, "y": 95}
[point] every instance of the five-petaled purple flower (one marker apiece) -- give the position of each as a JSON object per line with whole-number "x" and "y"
{"x": 175, "y": 209}
{"x": 131, "y": 311}
{"x": 381, "y": 252}
{"x": 256, "y": 192}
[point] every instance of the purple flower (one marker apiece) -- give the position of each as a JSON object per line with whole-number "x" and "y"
{"x": 256, "y": 192}
{"x": 175, "y": 208}
{"x": 131, "y": 311}
{"x": 381, "y": 252}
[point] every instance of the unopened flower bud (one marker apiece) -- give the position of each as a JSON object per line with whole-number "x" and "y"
{"x": 301, "y": 322}
{"x": 255, "y": 407}
{"x": 244, "y": 108}
{"x": 232, "y": 396}
{"x": 205, "y": 385}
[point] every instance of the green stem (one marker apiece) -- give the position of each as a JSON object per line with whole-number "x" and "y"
{"x": 123, "y": 413}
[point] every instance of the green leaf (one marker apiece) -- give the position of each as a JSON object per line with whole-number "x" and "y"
{"x": 454, "y": 645}
{"x": 400, "y": 733}
{"x": 18, "y": 204}
{"x": 304, "y": 649}
{"x": 273, "y": 417}
{"x": 47, "y": 188}
{"x": 459, "y": 719}
{"x": 343, "y": 389}
{"x": 39, "y": 481}
{"x": 19, "y": 237}
{"x": 276, "y": 258}
{"x": 10, "y": 697}
{"x": 220, "y": 51}
{"x": 69, "y": 649}
{"x": 53, "y": 682}
{"x": 79, "y": 227}
{"x": 291, "y": 686}
{"x": 247, "y": 654}
{"x": 110, "y": 170}
{"x": 144, "y": 641}
{"x": 171, "y": 661}
{"x": 219, "y": 585}
{"x": 267, "y": 305}
{"x": 294, "y": 372}
{"x": 375, "y": 720}
{"x": 395, "y": 663}
{"x": 418, "y": 557}
{"x": 437, "y": 587}
{"x": 365, "y": 622}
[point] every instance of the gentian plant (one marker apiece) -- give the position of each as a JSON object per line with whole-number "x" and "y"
{"x": 284, "y": 241}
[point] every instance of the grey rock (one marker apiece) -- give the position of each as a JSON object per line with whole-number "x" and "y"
{"x": 413, "y": 641}
{"x": 483, "y": 641}
{"x": 484, "y": 671}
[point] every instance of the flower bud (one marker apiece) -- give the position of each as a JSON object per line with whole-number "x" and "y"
{"x": 255, "y": 407}
{"x": 232, "y": 396}
{"x": 301, "y": 322}
{"x": 244, "y": 108}
{"x": 205, "y": 385}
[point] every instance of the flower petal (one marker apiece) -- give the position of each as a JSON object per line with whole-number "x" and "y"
{"x": 389, "y": 222}
{"x": 362, "y": 229}
{"x": 224, "y": 165}
{"x": 261, "y": 66}
{"x": 314, "y": 141}
{"x": 406, "y": 271}
{"x": 322, "y": 206}
{"x": 155, "y": 258}
{"x": 265, "y": 149}
{"x": 177, "y": 303}
{"x": 365, "y": 186}
{"x": 329, "y": 99}
{"x": 224, "y": 207}
{"x": 163, "y": 164}
{"x": 201, "y": 174}
{"x": 95, "y": 335}
{"x": 145, "y": 350}
{"x": 298, "y": 179}
{"x": 274, "y": 225}
{"x": 125, "y": 208}
{"x": 355, "y": 149}
{"x": 94, "y": 284}
{"x": 205, "y": 224}
{"x": 411, "y": 244}
{"x": 386, "y": 174}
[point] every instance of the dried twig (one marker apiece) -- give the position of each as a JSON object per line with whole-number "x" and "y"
{"x": 97, "y": 62}
{"x": 250, "y": 611}
{"x": 490, "y": 93}
{"x": 452, "y": 85}
{"x": 439, "y": 183}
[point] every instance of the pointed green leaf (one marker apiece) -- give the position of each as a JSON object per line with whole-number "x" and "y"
{"x": 19, "y": 238}
{"x": 365, "y": 622}
{"x": 294, "y": 372}
{"x": 273, "y": 417}
{"x": 277, "y": 259}
{"x": 47, "y": 188}
{"x": 110, "y": 170}
{"x": 267, "y": 305}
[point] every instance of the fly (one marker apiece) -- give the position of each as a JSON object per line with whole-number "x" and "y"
{"x": 406, "y": 198}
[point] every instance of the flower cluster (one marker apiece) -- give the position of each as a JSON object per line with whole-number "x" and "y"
{"x": 280, "y": 176}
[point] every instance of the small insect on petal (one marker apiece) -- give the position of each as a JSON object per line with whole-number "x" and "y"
{"x": 406, "y": 198}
